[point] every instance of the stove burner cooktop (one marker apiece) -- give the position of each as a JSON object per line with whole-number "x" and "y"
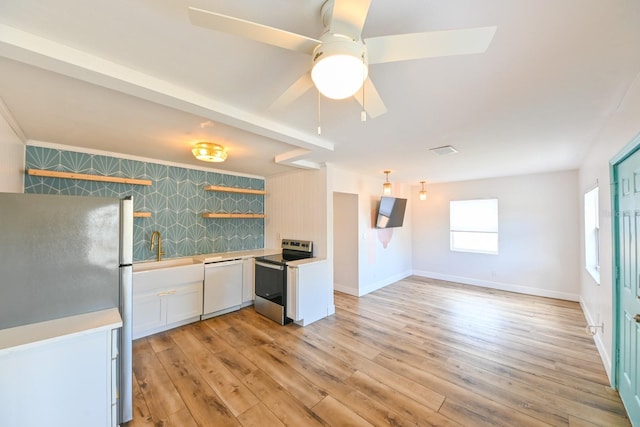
{"x": 292, "y": 250}
{"x": 275, "y": 259}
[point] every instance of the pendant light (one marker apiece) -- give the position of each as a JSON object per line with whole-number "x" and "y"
{"x": 386, "y": 187}
{"x": 423, "y": 193}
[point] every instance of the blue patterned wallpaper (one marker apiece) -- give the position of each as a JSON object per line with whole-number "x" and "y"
{"x": 176, "y": 200}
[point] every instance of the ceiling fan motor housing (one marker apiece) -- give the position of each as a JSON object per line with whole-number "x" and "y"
{"x": 340, "y": 66}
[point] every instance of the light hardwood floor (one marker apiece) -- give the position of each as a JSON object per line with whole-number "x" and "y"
{"x": 418, "y": 352}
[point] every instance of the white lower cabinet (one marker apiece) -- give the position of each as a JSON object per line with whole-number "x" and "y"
{"x": 166, "y": 297}
{"x": 60, "y": 373}
{"x": 309, "y": 291}
{"x": 248, "y": 281}
{"x": 184, "y": 302}
{"x": 156, "y": 310}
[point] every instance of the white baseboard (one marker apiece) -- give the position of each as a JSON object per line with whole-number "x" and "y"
{"x": 498, "y": 285}
{"x": 382, "y": 283}
{"x": 345, "y": 289}
{"x": 597, "y": 338}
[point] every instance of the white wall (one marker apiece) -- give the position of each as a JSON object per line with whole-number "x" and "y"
{"x": 345, "y": 243}
{"x": 297, "y": 206}
{"x": 538, "y": 239}
{"x": 11, "y": 159}
{"x": 597, "y": 300}
{"x": 384, "y": 256}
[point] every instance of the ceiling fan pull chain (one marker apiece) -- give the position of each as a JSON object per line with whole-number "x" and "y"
{"x": 363, "y": 114}
{"x": 319, "y": 128}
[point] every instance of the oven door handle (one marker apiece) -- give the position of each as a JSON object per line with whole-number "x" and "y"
{"x": 269, "y": 265}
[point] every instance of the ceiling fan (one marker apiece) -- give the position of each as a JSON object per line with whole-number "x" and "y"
{"x": 340, "y": 57}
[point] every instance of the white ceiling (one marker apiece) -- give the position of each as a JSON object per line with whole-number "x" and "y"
{"x": 137, "y": 78}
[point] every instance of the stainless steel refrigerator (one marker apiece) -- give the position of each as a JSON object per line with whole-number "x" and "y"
{"x": 67, "y": 255}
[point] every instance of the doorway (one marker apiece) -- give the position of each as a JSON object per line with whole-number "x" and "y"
{"x": 626, "y": 240}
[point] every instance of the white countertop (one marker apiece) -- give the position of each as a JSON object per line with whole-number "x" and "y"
{"x": 305, "y": 261}
{"x": 224, "y": 256}
{"x": 203, "y": 258}
{"x": 26, "y": 336}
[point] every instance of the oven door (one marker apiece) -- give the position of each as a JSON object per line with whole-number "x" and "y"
{"x": 271, "y": 282}
{"x": 271, "y": 291}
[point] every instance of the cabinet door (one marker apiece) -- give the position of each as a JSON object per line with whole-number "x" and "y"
{"x": 293, "y": 302}
{"x": 248, "y": 281}
{"x": 309, "y": 292}
{"x": 60, "y": 382}
{"x": 184, "y": 302}
{"x": 148, "y": 312}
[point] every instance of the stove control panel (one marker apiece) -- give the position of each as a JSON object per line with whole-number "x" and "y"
{"x": 297, "y": 245}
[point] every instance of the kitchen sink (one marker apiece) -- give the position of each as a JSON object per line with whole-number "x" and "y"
{"x": 169, "y": 272}
{"x": 167, "y": 263}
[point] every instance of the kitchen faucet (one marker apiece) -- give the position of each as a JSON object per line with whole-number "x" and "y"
{"x": 155, "y": 236}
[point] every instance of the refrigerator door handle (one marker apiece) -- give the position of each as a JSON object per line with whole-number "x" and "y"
{"x": 125, "y": 358}
{"x": 126, "y": 231}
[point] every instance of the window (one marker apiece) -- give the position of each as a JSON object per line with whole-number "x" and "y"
{"x": 592, "y": 234}
{"x": 473, "y": 225}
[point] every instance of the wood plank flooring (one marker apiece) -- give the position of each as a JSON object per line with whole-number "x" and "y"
{"x": 418, "y": 352}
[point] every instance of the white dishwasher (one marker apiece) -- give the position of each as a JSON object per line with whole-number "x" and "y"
{"x": 222, "y": 287}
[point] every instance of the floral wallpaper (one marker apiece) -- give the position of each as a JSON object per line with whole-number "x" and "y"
{"x": 176, "y": 200}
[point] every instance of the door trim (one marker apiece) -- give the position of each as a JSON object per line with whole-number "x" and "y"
{"x": 629, "y": 149}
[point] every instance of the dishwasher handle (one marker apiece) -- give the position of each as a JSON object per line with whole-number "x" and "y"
{"x": 269, "y": 265}
{"x": 226, "y": 262}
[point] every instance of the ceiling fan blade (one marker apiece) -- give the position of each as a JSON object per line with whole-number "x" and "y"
{"x": 403, "y": 47}
{"x": 348, "y": 17}
{"x": 252, "y": 30}
{"x": 372, "y": 103}
{"x": 295, "y": 91}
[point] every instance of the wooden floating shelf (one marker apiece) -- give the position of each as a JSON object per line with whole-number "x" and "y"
{"x": 232, "y": 215}
{"x": 87, "y": 177}
{"x": 233, "y": 189}
{"x": 142, "y": 214}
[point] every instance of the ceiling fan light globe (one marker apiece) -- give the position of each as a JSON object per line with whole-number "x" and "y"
{"x": 339, "y": 76}
{"x": 339, "y": 66}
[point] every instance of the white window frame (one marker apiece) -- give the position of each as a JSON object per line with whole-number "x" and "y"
{"x": 473, "y": 226}
{"x": 592, "y": 233}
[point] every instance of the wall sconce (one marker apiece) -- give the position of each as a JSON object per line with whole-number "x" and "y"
{"x": 386, "y": 187}
{"x": 209, "y": 152}
{"x": 423, "y": 193}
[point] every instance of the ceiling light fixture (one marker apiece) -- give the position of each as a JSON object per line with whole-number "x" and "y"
{"x": 386, "y": 187}
{"x": 423, "y": 192}
{"x": 339, "y": 66}
{"x": 209, "y": 152}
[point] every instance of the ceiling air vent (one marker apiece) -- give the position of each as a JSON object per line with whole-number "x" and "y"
{"x": 444, "y": 150}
